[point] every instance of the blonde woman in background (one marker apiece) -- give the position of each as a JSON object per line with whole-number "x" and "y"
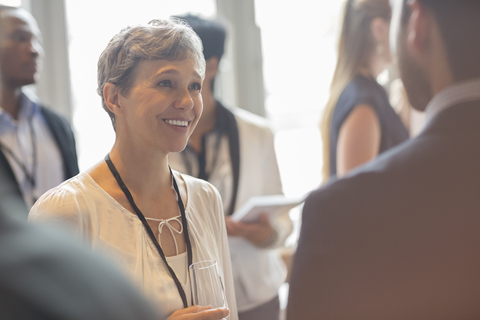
{"x": 358, "y": 122}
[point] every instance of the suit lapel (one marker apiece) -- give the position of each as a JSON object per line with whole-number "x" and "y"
{"x": 9, "y": 189}
{"x": 61, "y": 138}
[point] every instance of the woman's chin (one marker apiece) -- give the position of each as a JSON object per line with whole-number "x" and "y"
{"x": 177, "y": 148}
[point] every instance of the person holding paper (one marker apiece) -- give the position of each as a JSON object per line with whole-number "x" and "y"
{"x": 153, "y": 221}
{"x": 234, "y": 150}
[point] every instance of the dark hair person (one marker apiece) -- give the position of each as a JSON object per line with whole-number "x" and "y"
{"x": 153, "y": 221}
{"x": 358, "y": 122}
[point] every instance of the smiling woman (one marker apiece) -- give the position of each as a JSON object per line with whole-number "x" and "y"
{"x": 161, "y": 108}
{"x": 149, "y": 79}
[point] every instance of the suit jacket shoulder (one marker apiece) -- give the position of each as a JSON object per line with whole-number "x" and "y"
{"x": 397, "y": 238}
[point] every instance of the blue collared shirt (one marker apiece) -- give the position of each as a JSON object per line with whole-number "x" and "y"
{"x": 16, "y": 135}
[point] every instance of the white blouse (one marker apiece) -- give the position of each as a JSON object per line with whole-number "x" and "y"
{"x": 95, "y": 217}
{"x": 178, "y": 264}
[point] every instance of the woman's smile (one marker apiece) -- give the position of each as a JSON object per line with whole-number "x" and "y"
{"x": 177, "y": 123}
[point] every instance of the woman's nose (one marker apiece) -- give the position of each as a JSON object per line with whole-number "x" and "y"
{"x": 185, "y": 100}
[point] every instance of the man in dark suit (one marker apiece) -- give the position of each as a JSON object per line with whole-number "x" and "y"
{"x": 400, "y": 237}
{"x": 37, "y": 146}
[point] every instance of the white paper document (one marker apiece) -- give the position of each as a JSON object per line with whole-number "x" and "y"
{"x": 272, "y": 205}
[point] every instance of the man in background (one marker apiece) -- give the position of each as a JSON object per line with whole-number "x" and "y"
{"x": 234, "y": 150}
{"x": 399, "y": 237}
{"x": 37, "y": 146}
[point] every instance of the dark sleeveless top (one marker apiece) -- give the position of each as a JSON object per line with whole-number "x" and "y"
{"x": 365, "y": 90}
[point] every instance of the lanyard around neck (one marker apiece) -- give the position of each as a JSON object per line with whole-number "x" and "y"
{"x": 149, "y": 230}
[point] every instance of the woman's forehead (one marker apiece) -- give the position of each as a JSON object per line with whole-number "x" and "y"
{"x": 153, "y": 68}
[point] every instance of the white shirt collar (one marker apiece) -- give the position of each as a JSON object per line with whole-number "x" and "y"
{"x": 453, "y": 95}
{"x": 27, "y": 110}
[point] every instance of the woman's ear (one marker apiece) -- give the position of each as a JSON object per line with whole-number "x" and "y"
{"x": 111, "y": 95}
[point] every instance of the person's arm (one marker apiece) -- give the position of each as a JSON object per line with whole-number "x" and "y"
{"x": 358, "y": 140}
{"x": 199, "y": 313}
{"x": 60, "y": 208}
{"x": 257, "y": 232}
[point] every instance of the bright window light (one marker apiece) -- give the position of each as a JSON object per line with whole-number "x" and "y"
{"x": 11, "y": 3}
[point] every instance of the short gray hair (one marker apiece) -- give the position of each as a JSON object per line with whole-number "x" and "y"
{"x": 170, "y": 39}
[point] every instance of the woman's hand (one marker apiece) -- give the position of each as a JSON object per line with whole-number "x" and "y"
{"x": 199, "y": 313}
{"x": 255, "y": 232}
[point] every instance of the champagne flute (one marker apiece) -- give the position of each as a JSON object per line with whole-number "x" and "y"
{"x": 207, "y": 285}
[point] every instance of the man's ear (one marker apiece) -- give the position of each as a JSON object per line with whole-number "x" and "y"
{"x": 111, "y": 94}
{"x": 211, "y": 67}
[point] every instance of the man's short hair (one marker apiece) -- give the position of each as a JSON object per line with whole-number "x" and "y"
{"x": 459, "y": 23}
{"x": 212, "y": 33}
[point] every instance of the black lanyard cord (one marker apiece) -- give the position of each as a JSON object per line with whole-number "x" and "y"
{"x": 149, "y": 230}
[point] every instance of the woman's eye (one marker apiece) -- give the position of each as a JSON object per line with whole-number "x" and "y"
{"x": 19, "y": 38}
{"x": 196, "y": 86}
{"x": 165, "y": 83}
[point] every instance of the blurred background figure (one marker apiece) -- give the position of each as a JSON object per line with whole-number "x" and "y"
{"x": 359, "y": 122}
{"x": 234, "y": 150}
{"x": 37, "y": 146}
